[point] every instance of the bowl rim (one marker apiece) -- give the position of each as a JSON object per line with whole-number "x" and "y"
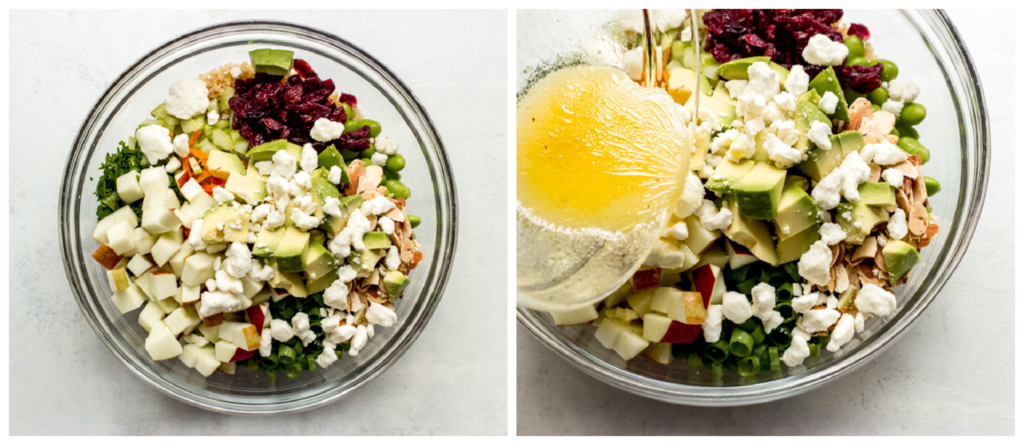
{"x": 445, "y": 244}
{"x": 793, "y": 385}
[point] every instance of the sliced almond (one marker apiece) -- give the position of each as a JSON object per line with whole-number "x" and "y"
{"x": 876, "y": 173}
{"x": 866, "y": 250}
{"x": 920, "y": 190}
{"x": 908, "y": 169}
{"x": 356, "y": 171}
{"x": 372, "y": 179}
{"x": 918, "y": 221}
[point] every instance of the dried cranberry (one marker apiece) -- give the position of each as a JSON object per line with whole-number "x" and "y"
{"x": 856, "y": 29}
{"x": 347, "y": 99}
{"x": 303, "y": 68}
{"x": 293, "y": 93}
{"x": 862, "y": 79}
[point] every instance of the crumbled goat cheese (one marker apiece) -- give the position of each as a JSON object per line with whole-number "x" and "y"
{"x": 679, "y": 231}
{"x": 281, "y": 330}
{"x": 379, "y": 159}
{"x": 155, "y": 142}
{"x": 327, "y": 357}
{"x": 721, "y": 142}
{"x": 818, "y": 320}
{"x": 303, "y": 221}
{"x": 266, "y": 273}
{"x": 181, "y": 145}
{"x": 332, "y": 207}
{"x": 854, "y": 172}
{"x": 238, "y": 260}
{"x": 773, "y": 112}
{"x": 228, "y": 283}
{"x": 308, "y": 160}
{"x": 736, "y": 87}
{"x": 797, "y": 81}
{"x": 898, "y": 224}
{"x": 749, "y": 105}
{"x": 266, "y": 343}
{"x": 684, "y": 113}
{"x": 376, "y": 206}
{"x": 235, "y": 72}
{"x": 265, "y": 168}
{"x": 385, "y": 145}
{"x": 387, "y": 225}
{"x": 842, "y": 333}
{"x": 903, "y": 90}
{"x": 379, "y": 314}
{"x": 785, "y": 101}
{"x": 334, "y": 176}
{"x": 393, "y": 259}
{"x": 173, "y": 165}
{"x": 222, "y": 195}
{"x": 712, "y": 325}
{"x": 886, "y": 153}
{"x": 832, "y": 233}
{"x": 274, "y": 220}
{"x": 819, "y": 134}
{"x": 893, "y": 107}
{"x": 217, "y": 302}
{"x": 706, "y": 116}
{"x": 797, "y": 352}
{"x": 763, "y": 296}
{"x": 894, "y": 177}
{"x": 336, "y": 295}
{"x": 284, "y": 164}
{"x": 300, "y": 327}
{"x": 814, "y": 264}
{"x": 666, "y": 255}
{"x": 736, "y": 308}
{"x": 212, "y": 117}
{"x": 187, "y": 98}
{"x": 714, "y": 219}
{"x": 875, "y": 300}
{"x": 771, "y": 320}
{"x": 858, "y": 322}
{"x": 741, "y": 148}
{"x": 259, "y": 213}
{"x": 342, "y": 333}
{"x": 358, "y": 341}
{"x": 828, "y": 102}
{"x": 277, "y": 187}
{"x": 325, "y": 130}
{"x": 303, "y": 180}
{"x": 763, "y": 80}
{"x": 821, "y": 50}
{"x": 783, "y": 155}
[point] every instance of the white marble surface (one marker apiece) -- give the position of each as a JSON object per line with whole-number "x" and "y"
{"x": 64, "y": 381}
{"x": 951, "y": 373}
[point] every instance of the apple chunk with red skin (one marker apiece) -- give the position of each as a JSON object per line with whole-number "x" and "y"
{"x": 241, "y": 354}
{"x": 660, "y": 352}
{"x": 707, "y": 280}
{"x": 689, "y": 309}
{"x": 256, "y": 317}
{"x": 106, "y": 256}
{"x": 661, "y": 329}
{"x": 739, "y": 256}
{"x": 648, "y": 279}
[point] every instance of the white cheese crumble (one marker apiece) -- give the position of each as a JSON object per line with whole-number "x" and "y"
{"x": 736, "y": 308}
{"x": 235, "y": 72}
{"x": 898, "y": 224}
{"x": 172, "y": 165}
{"x": 903, "y": 90}
{"x": 238, "y": 260}
{"x": 309, "y": 159}
{"x": 893, "y": 107}
{"x": 783, "y": 155}
{"x": 385, "y": 145}
{"x": 679, "y": 231}
{"x": 797, "y": 352}
{"x": 334, "y": 176}
{"x": 797, "y": 81}
{"x": 155, "y": 142}
{"x": 875, "y": 300}
{"x": 393, "y": 259}
{"x": 818, "y": 320}
{"x": 379, "y": 159}
{"x": 828, "y": 102}
{"x": 821, "y": 50}
{"x": 222, "y": 195}
{"x": 281, "y": 330}
{"x": 187, "y": 98}
{"x": 894, "y": 177}
{"x": 886, "y": 153}
{"x": 379, "y": 314}
{"x": 832, "y": 233}
{"x": 284, "y": 164}
{"x": 842, "y": 333}
{"x": 763, "y": 296}
{"x": 814, "y": 264}
{"x": 218, "y": 302}
{"x": 712, "y": 325}
{"x": 181, "y": 145}
{"x": 713, "y": 219}
{"x": 819, "y": 134}
{"x": 325, "y": 130}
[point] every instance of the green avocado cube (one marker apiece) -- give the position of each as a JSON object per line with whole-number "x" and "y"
{"x": 899, "y": 258}
{"x": 821, "y": 162}
{"x": 851, "y": 141}
{"x": 858, "y": 219}
{"x": 292, "y": 250}
{"x": 737, "y": 69}
{"x": 322, "y": 283}
{"x": 727, "y": 175}
{"x": 266, "y": 150}
{"x": 267, "y": 242}
{"x": 879, "y": 194}
{"x": 395, "y": 283}
{"x": 792, "y": 248}
{"x": 330, "y": 157}
{"x": 276, "y": 62}
{"x": 759, "y": 192}
{"x": 363, "y": 261}
{"x": 376, "y": 240}
{"x": 334, "y": 225}
{"x": 797, "y": 211}
{"x": 319, "y": 262}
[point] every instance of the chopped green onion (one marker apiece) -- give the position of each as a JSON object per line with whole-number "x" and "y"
{"x": 716, "y": 370}
{"x": 785, "y": 308}
{"x": 758, "y": 334}
{"x": 815, "y": 349}
{"x": 746, "y": 286}
{"x": 784, "y": 292}
{"x": 749, "y": 366}
{"x": 741, "y": 343}
{"x": 793, "y": 270}
{"x": 748, "y": 325}
{"x": 286, "y": 355}
{"x": 780, "y": 336}
{"x": 694, "y": 359}
{"x": 773, "y": 357}
{"x": 719, "y": 351}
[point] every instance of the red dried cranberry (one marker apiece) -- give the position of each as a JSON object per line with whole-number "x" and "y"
{"x": 862, "y": 79}
{"x": 293, "y": 93}
{"x": 347, "y": 99}
{"x": 303, "y": 68}
{"x": 856, "y": 29}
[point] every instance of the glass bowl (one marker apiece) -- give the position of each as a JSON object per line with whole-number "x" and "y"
{"x": 382, "y": 96}
{"x": 927, "y": 48}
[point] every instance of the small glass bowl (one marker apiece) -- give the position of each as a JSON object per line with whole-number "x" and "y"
{"x": 927, "y": 48}
{"x": 382, "y": 96}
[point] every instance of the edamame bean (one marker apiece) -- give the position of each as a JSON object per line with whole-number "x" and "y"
{"x": 368, "y": 153}
{"x": 352, "y": 125}
{"x": 913, "y": 113}
{"x": 889, "y": 70}
{"x": 395, "y": 163}
{"x": 397, "y": 188}
{"x": 349, "y": 113}
{"x": 349, "y": 155}
{"x": 876, "y": 108}
{"x": 413, "y": 220}
{"x": 895, "y": 131}
{"x": 879, "y": 96}
{"x": 374, "y": 126}
{"x": 855, "y": 45}
{"x": 851, "y": 95}
{"x": 932, "y": 185}
{"x": 912, "y": 146}
{"x": 393, "y": 175}
{"x": 906, "y": 130}
{"x": 860, "y": 61}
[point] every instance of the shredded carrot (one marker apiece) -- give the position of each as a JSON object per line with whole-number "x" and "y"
{"x": 187, "y": 173}
{"x": 203, "y": 176}
{"x": 200, "y": 155}
{"x": 195, "y": 137}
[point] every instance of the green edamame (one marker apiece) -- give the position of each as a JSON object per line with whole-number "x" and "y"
{"x": 906, "y": 130}
{"x": 349, "y": 155}
{"x": 932, "y": 185}
{"x": 397, "y": 188}
{"x": 388, "y": 174}
{"x": 859, "y": 61}
{"x": 349, "y": 113}
{"x": 855, "y": 45}
{"x": 876, "y": 108}
{"x": 395, "y": 163}
{"x": 913, "y": 113}
{"x": 851, "y": 95}
{"x": 879, "y": 96}
{"x": 895, "y": 131}
{"x": 413, "y": 220}
{"x": 355, "y": 125}
{"x": 368, "y": 153}
{"x": 912, "y": 146}
{"x": 889, "y": 70}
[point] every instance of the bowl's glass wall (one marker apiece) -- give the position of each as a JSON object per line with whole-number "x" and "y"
{"x": 928, "y": 51}
{"x": 381, "y": 97}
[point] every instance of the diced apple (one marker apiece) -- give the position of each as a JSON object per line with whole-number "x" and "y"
{"x": 129, "y": 299}
{"x": 168, "y": 305}
{"x": 211, "y": 333}
{"x": 166, "y": 247}
{"x": 640, "y": 302}
{"x": 251, "y": 287}
{"x": 228, "y": 368}
{"x": 177, "y": 261}
{"x": 182, "y": 320}
{"x": 121, "y": 238}
{"x": 630, "y": 345}
{"x": 186, "y": 215}
{"x": 106, "y": 256}
{"x": 262, "y": 296}
{"x": 154, "y": 178}
{"x": 171, "y": 202}
{"x": 671, "y": 277}
{"x": 242, "y": 335}
{"x": 118, "y": 279}
{"x": 224, "y": 350}
{"x": 189, "y": 294}
{"x": 608, "y": 331}
{"x": 164, "y": 284}
{"x": 715, "y": 255}
{"x": 619, "y": 295}
{"x": 659, "y": 303}
{"x": 206, "y": 364}
{"x": 576, "y": 316}
{"x": 158, "y": 219}
{"x": 689, "y": 309}
{"x": 201, "y": 204}
{"x": 162, "y": 345}
{"x": 739, "y": 256}
{"x": 122, "y": 214}
{"x": 150, "y": 315}
{"x": 662, "y": 329}
{"x": 660, "y": 352}
{"x": 128, "y": 187}
{"x": 198, "y": 268}
{"x": 242, "y": 354}
{"x": 647, "y": 279}
{"x": 139, "y": 265}
{"x": 143, "y": 241}
{"x": 189, "y": 355}
{"x": 707, "y": 280}
{"x": 214, "y": 320}
{"x": 699, "y": 238}
{"x": 256, "y": 317}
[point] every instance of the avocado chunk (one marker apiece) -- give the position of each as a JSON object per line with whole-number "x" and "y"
{"x": 376, "y": 240}
{"x": 682, "y": 84}
{"x": 288, "y": 281}
{"x": 225, "y": 224}
{"x": 737, "y": 69}
{"x": 858, "y": 218}
{"x": 899, "y": 257}
{"x": 319, "y": 262}
{"x": 759, "y": 192}
{"x": 316, "y": 237}
{"x": 851, "y": 141}
{"x": 349, "y": 204}
{"x": 807, "y": 112}
{"x": 799, "y": 181}
{"x": 797, "y": 212}
{"x": 276, "y": 62}
{"x": 826, "y": 81}
{"x": 222, "y": 164}
{"x": 395, "y": 283}
{"x": 753, "y": 234}
{"x": 720, "y": 104}
{"x": 699, "y": 238}
{"x": 879, "y": 194}
{"x": 267, "y": 241}
{"x": 251, "y": 187}
{"x": 792, "y": 248}
{"x": 727, "y": 175}
{"x": 322, "y": 283}
{"x": 821, "y": 162}
{"x": 363, "y": 261}
{"x": 291, "y": 251}
{"x": 266, "y": 150}
{"x": 330, "y": 157}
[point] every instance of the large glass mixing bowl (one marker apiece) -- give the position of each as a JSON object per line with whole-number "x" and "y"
{"x": 382, "y": 96}
{"x": 927, "y": 48}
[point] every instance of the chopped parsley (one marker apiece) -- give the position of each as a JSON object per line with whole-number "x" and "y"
{"x": 126, "y": 159}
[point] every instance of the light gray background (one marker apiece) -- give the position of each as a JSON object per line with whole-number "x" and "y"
{"x": 454, "y": 378}
{"x": 951, "y": 373}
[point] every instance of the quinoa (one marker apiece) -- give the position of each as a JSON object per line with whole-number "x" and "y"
{"x": 220, "y": 77}
{"x": 335, "y": 98}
